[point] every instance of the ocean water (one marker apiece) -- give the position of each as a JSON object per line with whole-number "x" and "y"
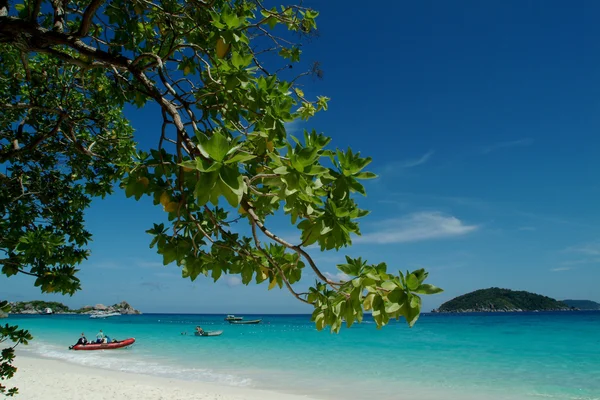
{"x": 474, "y": 356}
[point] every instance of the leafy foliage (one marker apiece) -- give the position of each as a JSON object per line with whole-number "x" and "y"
{"x": 16, "y": 336}
{"x": 223, "y": 76}
{"x": 496, "y": 299}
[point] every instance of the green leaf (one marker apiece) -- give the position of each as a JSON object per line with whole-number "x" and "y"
{"x": 232, "y": 197}
{"x": 365, "y": 175}
{"x": 215, "y": 147}
{"x": 389, "y": 285}
{"x": 397, "y": 296}
{"x": 412, "y": 282}
{"x": 428, "y": 289}
{"x": 191, "y": 164}
{"x": 368, "y": 301}
{"x": 392, "y": 308}
{"x": 240, "y": 157}
{"x": 205, "y": 186}
{"x": 216, "y": 273}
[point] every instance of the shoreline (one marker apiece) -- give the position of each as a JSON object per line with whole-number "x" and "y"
{"x": 51, "y": 379}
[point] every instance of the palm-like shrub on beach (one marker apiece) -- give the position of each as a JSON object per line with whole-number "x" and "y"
{"x": 225, "y": 76}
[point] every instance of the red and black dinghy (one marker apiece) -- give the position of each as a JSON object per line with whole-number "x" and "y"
{"x": 104, "y": 346}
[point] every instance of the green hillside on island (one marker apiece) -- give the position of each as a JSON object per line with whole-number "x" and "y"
{"x": 583, "y": 304}
{"x": 501, "y": 300}
{"x": 39, "y": 306}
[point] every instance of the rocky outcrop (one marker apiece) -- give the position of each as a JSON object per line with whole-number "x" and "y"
{"x": 124, "y": 308}
{"x": 3, "y": 314}
{"x": 37, "y": 307}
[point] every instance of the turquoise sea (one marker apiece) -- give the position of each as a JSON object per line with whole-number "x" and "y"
{"x": 473, "y": 356}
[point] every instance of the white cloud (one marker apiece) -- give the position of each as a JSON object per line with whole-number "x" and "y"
{"x": 232, "y": 280}
{"x": 505, "y": 145}
{"x": 340, "y": 276}
{"x": 293, "y": 127}
{"x": 560, "y": 269}
{"x": 417, "y": 227}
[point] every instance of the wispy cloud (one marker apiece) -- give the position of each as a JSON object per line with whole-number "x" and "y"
{"x": 505, "y": 145}
{"x": 140, "y": 262}
{"x": 415, "y": 162}
{"x": 293, "y": 127}
{"x": 561, "y": 269}
{"x": 584, "y": 261}
{"x": 402, "y": 166}
{"x": 232, "y": 280}
{"x": 527, "y": 228}
{"x": 153, "y": 286}
{"x": 417, "y": 227}
{"x": 340, "y": 276}
{"x": 590, "y": 249}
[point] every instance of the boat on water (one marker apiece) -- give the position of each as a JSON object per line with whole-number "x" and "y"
{"x": 104, "y": 346}
{"x": 105, "y": 315}
{"x": 249, "y": 322}
{"x": 209, "y": 333}
{"x": 233, "y": 318}
{"x": 47, "y": 311}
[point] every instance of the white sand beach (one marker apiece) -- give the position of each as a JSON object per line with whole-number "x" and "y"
{"x": 46, "y": 379}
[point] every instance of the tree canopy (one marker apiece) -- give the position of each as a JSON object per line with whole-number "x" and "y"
{"x": 226, "y": 77}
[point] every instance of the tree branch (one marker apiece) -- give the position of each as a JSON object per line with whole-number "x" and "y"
{"x": 34, "y": 143}
{"x": 298, "y": 249}
{"x": 3, "y": 8}
{"x": 59, "y": 15}
{"x": 88, "y": 16}
{"x": 36, "y": 10}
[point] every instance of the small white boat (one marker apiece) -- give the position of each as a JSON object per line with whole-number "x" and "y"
{"x": 209, "y": 333}
{"x": 105, "y": 315}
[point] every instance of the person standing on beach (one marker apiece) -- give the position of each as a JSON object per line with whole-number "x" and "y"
{"x": 99, "y": 336}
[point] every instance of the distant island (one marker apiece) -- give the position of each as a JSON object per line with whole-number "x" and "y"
{"x": 501, "y": 300}
{"x": 583, "y": 304}
{"x": 54, "y": 307}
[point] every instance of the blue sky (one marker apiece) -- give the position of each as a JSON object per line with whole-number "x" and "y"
{"x": 482, "y": 119}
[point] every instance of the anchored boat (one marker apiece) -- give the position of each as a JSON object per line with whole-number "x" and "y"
{"x": 233, "y": 318}
{"x": 105, "y": 315}
{"x": 209, "y": 333}
{"x": 250, "y": 322}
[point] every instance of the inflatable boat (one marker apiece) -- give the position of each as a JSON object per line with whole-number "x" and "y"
{"x": 104, "y": 346}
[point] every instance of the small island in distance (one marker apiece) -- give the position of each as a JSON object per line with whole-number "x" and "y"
{"x": 583, "y": 304}
{"x": 502, "y": 300}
